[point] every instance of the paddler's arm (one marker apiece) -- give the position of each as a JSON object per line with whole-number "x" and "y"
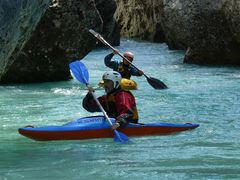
{"x": 108, "y": 60}
{"x": 89, "y": 103}
{"x": 123, "y": 120}
{"x": 136, "y": 72}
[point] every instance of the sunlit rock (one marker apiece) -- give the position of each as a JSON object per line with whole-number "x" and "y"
{"x": 140, "y": 19}
{"x": 207, "y": 29}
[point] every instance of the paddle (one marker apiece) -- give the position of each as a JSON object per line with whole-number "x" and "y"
{"x": 80, "y": 72}
{"x": 155, "y": 83}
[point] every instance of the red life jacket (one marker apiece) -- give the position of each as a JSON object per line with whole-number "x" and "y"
{"x": 120, "y": 103}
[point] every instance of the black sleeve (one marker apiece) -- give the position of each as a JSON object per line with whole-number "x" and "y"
{"x": 108, "y": 62}
{"x": 89, "y": 103}
{"x": 134, "y": 71}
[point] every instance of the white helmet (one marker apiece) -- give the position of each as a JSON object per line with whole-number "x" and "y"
{"x": 114, "y": 76}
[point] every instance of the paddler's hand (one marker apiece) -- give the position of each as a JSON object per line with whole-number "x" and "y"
{"x": 115, "y": 51}
{"x": 90, "y": 90}
{"x": 141, "y": 72}
{"x": 115, "y": 126}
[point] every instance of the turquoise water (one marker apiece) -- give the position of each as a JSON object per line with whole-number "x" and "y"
{"x": 205, "y": 95}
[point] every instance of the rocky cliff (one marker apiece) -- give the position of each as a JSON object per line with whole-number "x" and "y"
{"x": 207, "y": 29}
{"x": 57, "y": 34}
{"x": 140, "y": 19}
{"x": 18, "y": 19}
{"x": 39, "y": 38}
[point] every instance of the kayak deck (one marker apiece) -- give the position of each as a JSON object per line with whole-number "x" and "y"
{"x": 96, "y": 127}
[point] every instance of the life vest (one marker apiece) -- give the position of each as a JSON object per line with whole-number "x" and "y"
{"x": 112, "y": 109}
{"x": 126, "y": 84}
{"x": 124, "y": 70}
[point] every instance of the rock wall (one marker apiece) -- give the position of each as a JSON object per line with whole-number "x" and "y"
{"x": 140, "y": 19}
{"x": 39, "y": 38}
{"x": 18, "y": 19}
{"x": 207, "y": 29}
{"x": 214, "y": 41}
{"x": 59, "y": 37}
{"x": 231, "y": 11}
{"x": 110, "y": 30}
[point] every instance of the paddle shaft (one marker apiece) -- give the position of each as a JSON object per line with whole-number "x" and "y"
{"x": 155, "y": 83}
{"x": 101, "y": 108}
{"x": 118, "y": 136}
{"x": 98, "y": 36}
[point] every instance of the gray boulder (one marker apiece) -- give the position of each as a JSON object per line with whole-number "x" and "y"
{"x": 207, "y": 29}
{"x": 59, "y": 36}
{"x": 18, "y": 19}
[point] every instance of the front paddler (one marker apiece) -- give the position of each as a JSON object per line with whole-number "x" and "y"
{"x": 117, "y": 103}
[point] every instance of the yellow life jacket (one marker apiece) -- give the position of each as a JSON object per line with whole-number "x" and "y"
{"x": 126, "y": 84}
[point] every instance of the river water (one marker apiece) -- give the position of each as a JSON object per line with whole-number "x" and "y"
{"x": 205, "y": 95}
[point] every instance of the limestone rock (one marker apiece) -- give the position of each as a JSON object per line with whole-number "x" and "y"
{"x": 207, "y": 29}
{"x": 140, "y": 19}
{"x": 59, "y": 36}
{"x": 18, "y": 20}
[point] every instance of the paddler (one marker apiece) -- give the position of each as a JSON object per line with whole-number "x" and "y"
{"x": 123, "y": 67}
{"x": 117, "y": 103}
